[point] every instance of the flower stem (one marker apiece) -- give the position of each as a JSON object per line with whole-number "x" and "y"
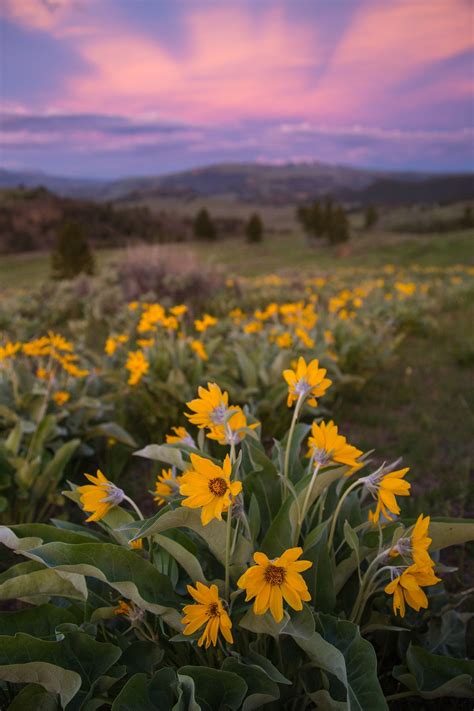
{"x": 338, "y": 510}
{"x": 134, "y": 506}
{"x": 228, "y": 535}
{"x": 294, "y": 420}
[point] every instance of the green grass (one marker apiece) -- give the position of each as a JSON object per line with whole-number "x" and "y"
{"x": 278, "y": 252}
{"x": 422, "y": 408}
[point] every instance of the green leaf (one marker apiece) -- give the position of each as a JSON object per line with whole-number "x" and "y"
{"x": 133, "y": 577}
{"x": 340, "y": 650}
{"x": 182, "y": 556}
{"x": 261, "y": 689}
{"x": 54, "y": 470}
{"x": 450, "y": 532}
{"x": 447, "y": 634}
{"x": 40, "y": 621}
{"x": 214, "y": 688}
{"x": 30, "y": 581}
{"x": 36, "y": 698}
{"x": 134, "y": 695}
{"x": 24, "y": 536}
{"x": 434, "y": 676}
{"x": 213, "y": 534}
{"x": 74, "y": 662}
{"x": 165, "y": 453}
{"x": 111, "y": 430}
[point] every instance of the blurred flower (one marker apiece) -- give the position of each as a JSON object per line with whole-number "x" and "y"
{"x": 181, "y": 436}
{"x": 137, "y": 365}
{"x": 233, "y": 431}
{"x": 203, "y": 324}
{"x": 199, "y": 349}
{"x": 306, "y": 380}
{"x": 61, "y": 397}
{"x": 166, "y": 486}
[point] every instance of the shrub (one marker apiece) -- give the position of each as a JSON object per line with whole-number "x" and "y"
{"x": 254, "y": 228}
{"x": 72, "y": 254}
{"x": 204, "y": 228}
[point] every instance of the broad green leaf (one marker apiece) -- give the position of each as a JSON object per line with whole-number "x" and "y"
{"x": 216, "y": 689}
{"x": 340, "y": 650}
{"x": 34, "y": 697}
{"x": 434, "y": 676}
{"x": 51, "y": 677}
{"x": 134, "y": 695}
{"x": 182, "y": 556}
{"x": 113, "y": 431}
{"x": 213, "y": 534}
{"x": 30, "y": 581}
{"x": 133, "y": 577}
{"x": 74, "y": 662}
{"x": 163, "y": 453}
{"x": 24, "y": 536}
{"x": 450, "y": 533}
{"x": 261, "y": 689}
{"x": 54, "y": 470}
{"x": 40, "y": 621}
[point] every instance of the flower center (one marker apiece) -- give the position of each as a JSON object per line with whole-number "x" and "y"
{"x": 321, "y": 456}
{"x": 213, "y": 609}
{"x": 218, "y": 486}
{"x": 275, "y": 575}
{"x": 217, "y": 415}
{"x": 302, "y": 387}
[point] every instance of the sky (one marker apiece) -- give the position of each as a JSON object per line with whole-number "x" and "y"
{"x": 108, "y": 88}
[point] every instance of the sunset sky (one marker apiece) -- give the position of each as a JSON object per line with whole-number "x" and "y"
{"x": 106, "y": 88}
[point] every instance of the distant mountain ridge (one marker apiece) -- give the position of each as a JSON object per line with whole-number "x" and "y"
{"x": 259, "y": 183}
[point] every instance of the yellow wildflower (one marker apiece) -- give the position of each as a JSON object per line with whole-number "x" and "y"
{"x": 327, "y": 446}
{"x": 179, "y": 310}
{"x": 284, "y": 340}
{"x": 233, "y": 431}
{"x": 207, "y": 486}
{"x": 199, "y": 349}
{"x": 407, "y": 588}
{"x": 203, "y": 324}
{"x": 271, "y": 581}
{"x": 210, "y": 408}
{"x": 209, "y": 611}
{"x": 181, "y": 436}
{"x": 100, "y": 496}
{"x": 9, "y": 350}
{"x": 166, "y": 486}
{"x": 306, "y": 380}
{"x": 137, "y": 365}
{"x": 61, "y": 397}
{"x": 385, "y": 487}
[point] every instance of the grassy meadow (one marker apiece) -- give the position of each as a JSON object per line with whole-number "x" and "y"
{"x": 286, "y": 385}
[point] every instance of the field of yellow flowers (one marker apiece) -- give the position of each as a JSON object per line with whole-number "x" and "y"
{"x": 268, "y": 564}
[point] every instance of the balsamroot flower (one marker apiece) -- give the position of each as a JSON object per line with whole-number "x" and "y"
{"x": 384, "y": 487}
{"x": 407, "y": 588}
{"x": 208, "y": 487}
{"x": 210, "y": 408}
{"x": 61, "y": 397}
{"x": 271, "y": 581}
{"x": 306, "y": 381}
{"x": 417, "y": 544}
{"x": 166, "y": 486}
{"x": 327, "y": 446}
{"x": 199, "y": 349}
{"x": 234, "y": 430}
{"x": 207, "y": 610}
{"x": 128, "y": 609}
{"x": 100, "y": 496}
{"x": 180, "y": 436}
{"x": 137, "y": 365}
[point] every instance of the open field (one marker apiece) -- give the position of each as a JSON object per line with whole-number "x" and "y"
{"x": 278, "y": 252}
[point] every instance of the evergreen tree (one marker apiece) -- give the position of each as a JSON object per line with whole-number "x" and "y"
{"x": 371, "y": 217}
{"x": 72, "y": 254}
{"x": 339, "y": 227}
{"x": 254, "y": 228}
{"x": 204, "y": 227}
